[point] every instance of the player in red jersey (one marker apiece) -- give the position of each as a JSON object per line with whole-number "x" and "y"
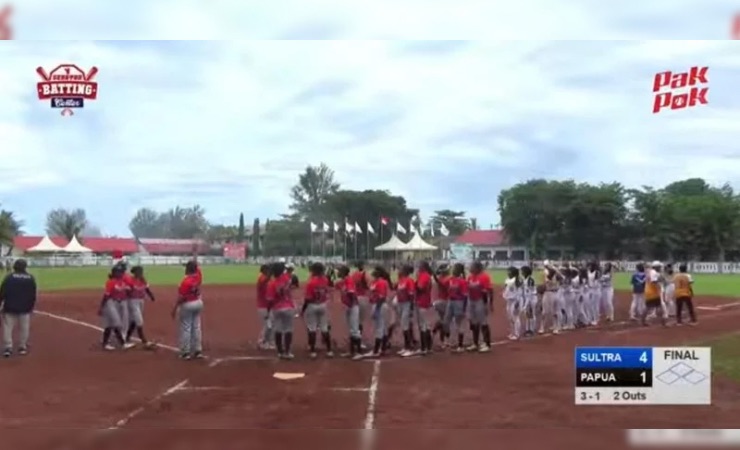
{"x": 423, "y": 310}
{"x": 282, "y": 308}
{"x": 139, "y": 292}
{"x": 455, "y": 313}
{"x": 266, "y": 339}
{"x": 362, "y": 285}
{"x": 189, "y": 308}
{"x": 442, "y": 278}
{"x": 348, "y": 296}
{"x": 315, "y": 311}
{"x": 480, "y": 293}
{"x": 406, "y": 296}
{"x": 379, "y": 290}
{"x": 113, "y": 307}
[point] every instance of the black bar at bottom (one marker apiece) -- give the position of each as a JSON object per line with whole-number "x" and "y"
{"x": 614, "y": 378}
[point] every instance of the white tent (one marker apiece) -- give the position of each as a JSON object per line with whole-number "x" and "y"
{"x": 417, "y": 244}
{"x": 394, "y": 244}
{"x": 45, "y": 245}
{"x": 74, "y": 246}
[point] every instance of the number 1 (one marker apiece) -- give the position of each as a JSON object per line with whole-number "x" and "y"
{"x": 643, "y": 357}
{"x": 644, "y": 377}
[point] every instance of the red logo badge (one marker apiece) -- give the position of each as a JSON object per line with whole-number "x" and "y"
{"x": 67, "y": 87}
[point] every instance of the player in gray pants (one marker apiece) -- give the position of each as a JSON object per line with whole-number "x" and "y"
{"x": 114, "y": 308}
{"x": 188, "y": 310}
{"x": 314, "y": 310}
{"x": 139, "y": 292}
{"x": 18, "y": 299}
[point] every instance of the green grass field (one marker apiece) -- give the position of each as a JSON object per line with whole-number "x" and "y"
{"x": 51, "y": 279}
{"x": 726, "y": 356}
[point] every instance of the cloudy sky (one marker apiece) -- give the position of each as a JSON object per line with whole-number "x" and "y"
{"x": 447, "y": 124}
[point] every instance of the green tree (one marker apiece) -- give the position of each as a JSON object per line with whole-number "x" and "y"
{"x": 256, "y": 247}
{"x": 10, "y": 227}
{"x": 66, "y": 222}
{"x": 241, "y": 232}
{"x": 309, "y": 195}
{"x": 454, "y": 221}
{"x": 148, "y": 223}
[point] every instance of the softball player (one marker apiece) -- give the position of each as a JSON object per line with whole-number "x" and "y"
{"x": 359, "y": 277}
{"x": 638, "y": 292}
{"x": 442, "y": 278}
{"x": 114, "y": 309}
{"x": 379, "y": 290}
{"x": 282, "y": 309}
{"x": 455, "y": 314}
{"x": 513, "y": 296}
{"x": 423, "y": 310}
{"x": 266, "y": 339}
{"x": 551, "y": 304}
{"x": 569, "y": 302}
{"x": 594, "y": 293}
{"x": 530, "y": 302}
{"x": 653, "y": 301}
{"x": 584, "y": 309}
{"x": 188, "y": 309}
{"x": 348, "y": 296}
{"x": 139, "y": 292}
{"x": 669, "y": 291}
{"x": 314, "y": 310}
{"x": 405, "y": 297}
{"x": 480, "y": 294}
{"x": 607, "y": 292}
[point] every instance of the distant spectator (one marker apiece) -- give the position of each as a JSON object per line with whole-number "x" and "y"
{"x": 17, "y": 301}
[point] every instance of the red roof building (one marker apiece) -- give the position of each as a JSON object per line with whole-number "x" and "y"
{"x": 100, "y": 245}
{"x": 491, "y": 244}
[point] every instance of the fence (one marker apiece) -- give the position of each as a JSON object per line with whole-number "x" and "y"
{"x": 629, "y": 266}
{"x": 144, "y": 260}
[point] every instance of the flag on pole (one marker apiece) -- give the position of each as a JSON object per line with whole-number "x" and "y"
{"x": 348, "y": 227}
{"x": 313, "y": 227}
{"x": 357, "y": 228}
{"x": 384, "y": 220}
{"x": 443, "y": 230}
{"x": 400, "y": 228}
{"x": 326, "y": 227}
{"x": 370, "y": 229}
{"x": 336, "y": 227}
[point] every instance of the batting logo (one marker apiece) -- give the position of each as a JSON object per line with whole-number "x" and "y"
{"x": 67, "y": 87}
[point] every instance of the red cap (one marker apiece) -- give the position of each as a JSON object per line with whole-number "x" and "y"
{"x": 117, "y": 254}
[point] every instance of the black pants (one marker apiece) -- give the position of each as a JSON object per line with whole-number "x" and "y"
{"x": 687, "y": 302}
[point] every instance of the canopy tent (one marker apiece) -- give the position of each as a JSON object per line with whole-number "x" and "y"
{"x": 74, "y": 246}
{"x": 45, "y": 245}
{"x": 394, "y": 244}
{"x": 417, "y": 244}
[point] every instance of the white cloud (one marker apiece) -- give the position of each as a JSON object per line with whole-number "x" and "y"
{"x": 230, "y": 124}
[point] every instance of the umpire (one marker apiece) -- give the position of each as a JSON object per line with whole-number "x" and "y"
{"x": 17, "y": 300}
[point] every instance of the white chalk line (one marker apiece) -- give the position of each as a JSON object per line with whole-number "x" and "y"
{"x": 94, "y": 327}
{"x": 162, "y": 395}
{"x": 367, "y": 434}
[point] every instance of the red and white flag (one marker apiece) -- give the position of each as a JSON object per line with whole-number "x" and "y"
{"x": 384, "y": 220}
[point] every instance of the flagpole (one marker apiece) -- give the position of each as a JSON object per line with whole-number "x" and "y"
{"x": 345, "y": 242}
{"x": 323, "y": 244}
{"x": 367, "y": 245}
{"x": 356, "y": 245}
{"x": 334, "y": 242}
{"x": 311, "y": 243}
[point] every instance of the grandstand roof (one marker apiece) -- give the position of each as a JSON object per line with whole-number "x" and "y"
{"x": 96, "y": 244}
{"x": 483, "y": 238}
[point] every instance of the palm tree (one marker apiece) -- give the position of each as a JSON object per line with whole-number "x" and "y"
{"x": 66, "y": 222}
{"x": 10, "y": 227}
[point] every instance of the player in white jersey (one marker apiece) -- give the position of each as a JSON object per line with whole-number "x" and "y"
{"x": 551, "y": 303}
{"x": 593, "y": 293}
{"x": 669, "y": 291}
{"x": 607, "y": 292}
{"x": 513, "y": 296}
{"x": 569, "y": 300}
{"x": 529, "y": 293}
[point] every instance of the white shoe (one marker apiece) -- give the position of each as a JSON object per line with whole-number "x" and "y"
{"x": 513, "y": 337}
{"x": 401, "y": 352}
{"x": 314, "y": 355}
{"x": 358, "y": 357}
{"x": 541, "y": 331}
{"x": 484, "y": 349}
{"x": 329, "y": 354}
{"x": 472, "y": 348}
{"x": 128, "y": 345}
{"x": 108, "y": 347}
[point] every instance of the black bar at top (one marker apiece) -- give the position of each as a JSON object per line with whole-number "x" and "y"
{"x": 614, "y": 378}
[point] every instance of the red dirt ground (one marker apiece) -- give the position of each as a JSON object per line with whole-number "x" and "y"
{"x": 66, "y": 393}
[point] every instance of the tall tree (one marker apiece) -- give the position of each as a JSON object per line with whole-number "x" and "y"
{"x": 256, "y": 247}
{"x": 241, "y": 232}
{"x": 186, "y": 222}
{"x": 309, "y": 195}
{"x": 148, "y": 223}
{"x": 454, "y": 221}
{"x": 66, "y": 222}
{"x": 218, "y": 233}
{"x": 92, "y": 231}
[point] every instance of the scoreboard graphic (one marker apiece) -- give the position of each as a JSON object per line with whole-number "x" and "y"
{"x": 643, "y": 375}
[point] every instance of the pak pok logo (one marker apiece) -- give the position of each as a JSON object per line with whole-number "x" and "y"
{"x": 67, "y": 87}
{"x": 695, "y": 96}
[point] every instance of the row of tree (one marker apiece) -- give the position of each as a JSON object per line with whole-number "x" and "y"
{"x": 685, "y": 220}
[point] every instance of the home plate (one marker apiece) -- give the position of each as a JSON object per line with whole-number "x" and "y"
{"x": 288, "y": 376}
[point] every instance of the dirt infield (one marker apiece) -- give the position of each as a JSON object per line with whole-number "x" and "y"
{"x": 67, "y": 394}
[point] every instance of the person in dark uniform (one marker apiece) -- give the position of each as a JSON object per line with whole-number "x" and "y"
{"x": 17, "y": 301}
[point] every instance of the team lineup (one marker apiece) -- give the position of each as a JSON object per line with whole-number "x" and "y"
{"x": 449, "y": 304}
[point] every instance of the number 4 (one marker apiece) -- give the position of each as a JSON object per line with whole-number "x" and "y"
{"x": 643, "y": 357}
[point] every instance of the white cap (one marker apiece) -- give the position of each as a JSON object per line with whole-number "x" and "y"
{"x": 546, "y": 262}
{"x": 282, "y": 260}
{"x": 656, "y": 263}
{"x": 290, "y": 266}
